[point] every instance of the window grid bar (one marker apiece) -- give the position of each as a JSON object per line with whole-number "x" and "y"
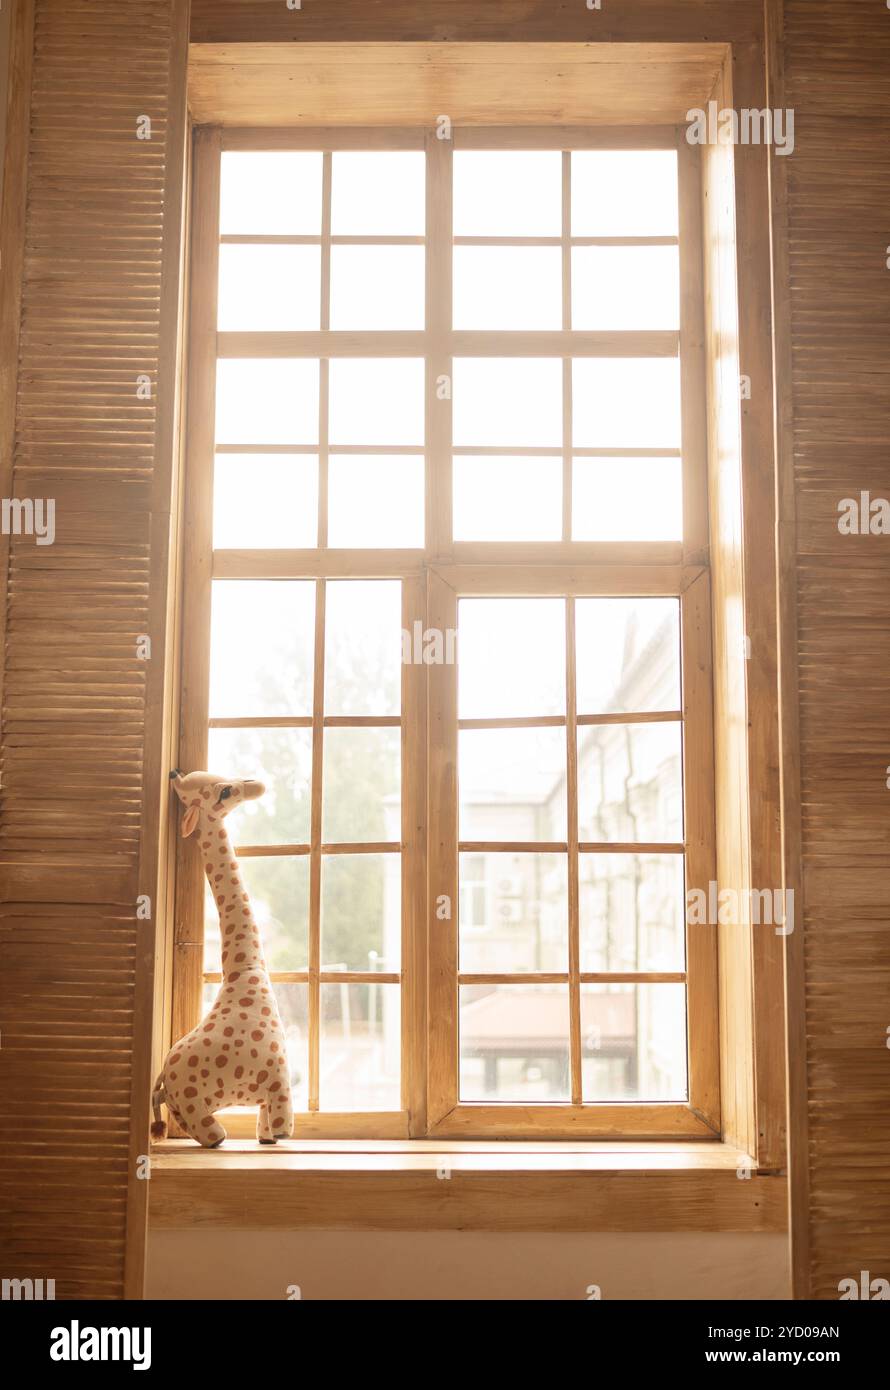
{"x": 285, "y": 239}
{"x": 326, "y": 848}
{"x": 315, "y": 846}
{"x": 586, "y": 977}
{"x": 557, "y": 721}
{"x": 324, "y": 365}
{"x": 566, "y": 361}
{"x": 461, "y": 342}
{"x": 325, "y": 977}
{"x": 495, "y": 450}
{"x": 307, "y": 239}
{"x": 562, "y": 847}
{"x": 573, "y": 874}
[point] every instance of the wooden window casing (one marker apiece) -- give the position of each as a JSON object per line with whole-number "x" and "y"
{"x": 433, "y": 579}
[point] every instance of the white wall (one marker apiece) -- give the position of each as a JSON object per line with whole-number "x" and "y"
{"x": 435, "y": 1265}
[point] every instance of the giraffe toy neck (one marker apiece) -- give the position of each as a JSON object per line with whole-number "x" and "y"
{"x": 242, "y": 948}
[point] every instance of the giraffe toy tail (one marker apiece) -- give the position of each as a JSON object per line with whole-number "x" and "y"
{"x": 158, "y": 1096}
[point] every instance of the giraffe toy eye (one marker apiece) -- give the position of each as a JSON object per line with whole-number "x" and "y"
{"x": 225, "y": 793}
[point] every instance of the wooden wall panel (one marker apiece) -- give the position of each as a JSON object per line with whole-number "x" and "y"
{"x": 834, "y": 343}
{"x": 82, "y": 713}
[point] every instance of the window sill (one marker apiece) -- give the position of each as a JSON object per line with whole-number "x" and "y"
{"x": 401, "y": 1185}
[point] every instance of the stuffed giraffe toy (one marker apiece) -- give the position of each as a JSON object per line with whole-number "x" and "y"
{"x": 237, "y": 1053}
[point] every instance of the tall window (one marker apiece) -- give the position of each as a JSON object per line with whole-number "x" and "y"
{"x": 446, "y": 593}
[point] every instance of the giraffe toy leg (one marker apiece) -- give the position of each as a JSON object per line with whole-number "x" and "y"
{"x": 281, "y": 1109}
{"x": 207, "y": 1130}
{"x": 264, "y": 1124}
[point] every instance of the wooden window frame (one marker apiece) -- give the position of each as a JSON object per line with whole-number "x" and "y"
{"x": 433, "y": 578}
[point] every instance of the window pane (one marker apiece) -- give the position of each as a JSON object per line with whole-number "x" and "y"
{"x": 269, "y": 287}
{"x": 270, "y": 193}
{"x": 507, "y": 193}
{"x": 378, "y": 193}
{"x": 363, "y": 665}
{"x": 378, "y": 287}
{"x": 293, "y": 1005}
{"x": 632, "y": 912}
{"x": 278, "y": 887}
{"x": 630, "y": 783}
{"x": 513, "y": 913}
{"x": 625, "y": 287}
{"x": 377, "y": 401}
{"x": 512, "y": 784}
{"x": 265, "y": 501}
{"x": 624, "y": 193}
{"x": 282, "y": 759}
{"x": 626, "y": 402}
{"x": 360, "y": 1050}
{"x": 361, "y": 785}
{"x": 266, "y": 401}
{"x": 511, "y": 657}
{"x": 508, "y": 401}
{"x": 507, "y": 498}
{"x": 261, "y": 647}
{"x": 514, "y": 1043}
{"x": 628, "y": 654}
{"x": 361, "y": 917}
{"x": 507, "y": 287}
{"x": 633, "y": 1043}
{"x": 375, "y": 500}
{"x": 626, "y": 499}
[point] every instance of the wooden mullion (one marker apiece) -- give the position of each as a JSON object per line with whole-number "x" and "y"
{"x": 324, "y": 367}
{"x": 541, "y": 451}
{"x": 573, "y": 877}
{"x": 439, "y": 362}
{"x": 556, "y": 977}
{"x": 465, "y": 342}
{"x": 315, "y": 846}
{"x": 701, "y": 853}
{"x": 281, "y": 239}
{"x": 442, "y": 853}
{"x": 414, "y": 862}
{"x": 565, "y": 240}
{"x": 566, "y": 214}
{"x": 654, "y": 716}
{"x": 692, "y": 355}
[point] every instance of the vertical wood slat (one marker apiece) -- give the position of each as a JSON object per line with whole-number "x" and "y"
{"x": 829, "y": 64}
{"x": 83, "y": 718}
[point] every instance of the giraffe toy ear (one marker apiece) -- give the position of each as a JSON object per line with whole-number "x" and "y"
{"x": 189, "y": 821}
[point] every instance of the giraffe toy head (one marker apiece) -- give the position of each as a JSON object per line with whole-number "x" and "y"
{"x": 204, "y": 794}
